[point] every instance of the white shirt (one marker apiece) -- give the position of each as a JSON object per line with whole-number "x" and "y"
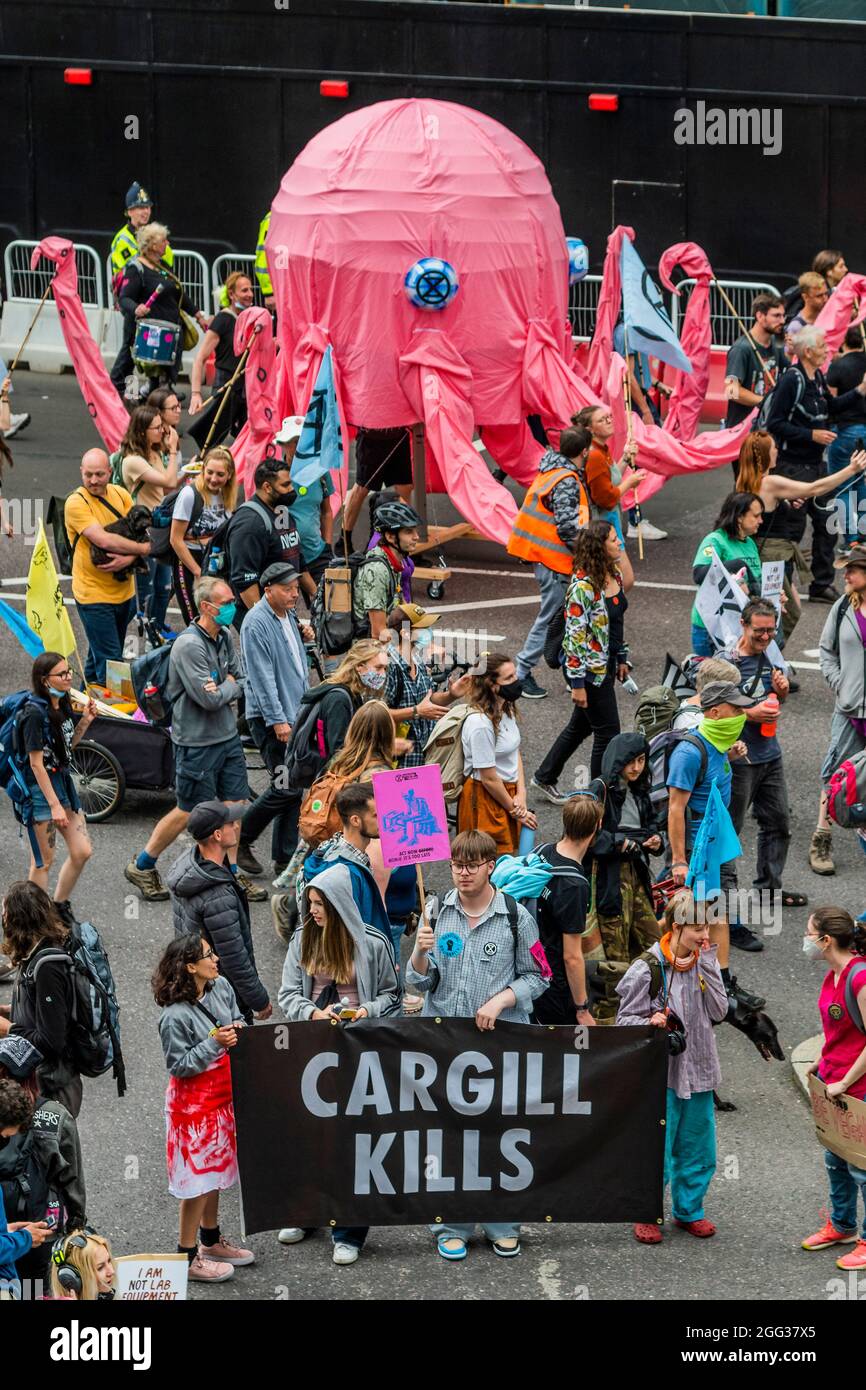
{"x": 483, "y": 748}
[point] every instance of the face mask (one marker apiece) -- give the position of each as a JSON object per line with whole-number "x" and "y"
{"x": 238, "y": 305}
{"x": 422, "y": 639}
{"x": 374, "y": 680}
{"x": 225, "y": 614}
{"x": 57, "y": 689}
{"x": 512, "y": 691}
{"x": 722, "y": 733}
{"x": 812, "y": 949}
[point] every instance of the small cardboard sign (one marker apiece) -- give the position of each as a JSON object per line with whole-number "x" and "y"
{"x": 152, "y": 1278}
{"x": 772, "y": 582}
{"x": 839, "y": 1124}
{"x": 413, "y": 825}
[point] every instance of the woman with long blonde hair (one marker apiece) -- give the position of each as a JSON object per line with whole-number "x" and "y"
{"x": 369, "y": 743}
{"x": 337, "y": 965}
{"x": 782, "y": 498}
{"x": 82, "y": 1267}
{"x": 200, "y": 509}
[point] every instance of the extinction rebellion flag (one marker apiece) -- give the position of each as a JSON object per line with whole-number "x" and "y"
{"x": 397, "y": 1122}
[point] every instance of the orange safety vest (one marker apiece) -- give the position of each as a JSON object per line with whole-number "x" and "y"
{"x": 534, "y": 536}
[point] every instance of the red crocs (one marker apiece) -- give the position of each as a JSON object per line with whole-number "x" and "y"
{"x": 702, "y": 1228}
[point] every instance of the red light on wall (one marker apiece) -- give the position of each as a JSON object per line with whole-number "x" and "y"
{"x": 603, "y": 101}
{"x": 78, "y": 77}
{"x": 334, "y": 89}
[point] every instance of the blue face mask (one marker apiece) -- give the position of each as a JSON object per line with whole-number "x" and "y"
{"x": 58, "y": 689}
{"x": 422, "y": 639}
{"x": 238, "y": 305}
{"x": 225, "y": 614}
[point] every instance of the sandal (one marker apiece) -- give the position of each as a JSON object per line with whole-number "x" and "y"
{"x": 648, "y": 1234}
{"x": 793, "y": 899}
{"x": 507, "y": 1252}
{"x": 457, "y": 1254}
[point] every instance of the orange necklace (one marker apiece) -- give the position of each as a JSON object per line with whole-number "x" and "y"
{"x": 685, "y": 963}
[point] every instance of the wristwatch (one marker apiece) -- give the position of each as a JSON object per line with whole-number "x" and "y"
{"x": 582, "y": 1008}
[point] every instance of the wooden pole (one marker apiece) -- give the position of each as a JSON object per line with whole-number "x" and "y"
{"x": 419, "y": 476}
{"x": 39, "y": 309}
{"x": 421, "y": 897}
{"x": 227, "y": 390}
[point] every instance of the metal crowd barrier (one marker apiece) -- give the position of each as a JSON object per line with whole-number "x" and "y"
{"x": 582, "y": 304}
{"x": 724, "y": 327}
{"x": 46, "y": 349}
{"x": 225, "y": 265}
{"x": 29, "y": 285}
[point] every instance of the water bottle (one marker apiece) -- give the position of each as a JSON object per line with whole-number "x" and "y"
{"x": 768, "y": 728}
{"x": 153, "y": 703}
{"x": 631, "y": 686}
{"x": 527, "y": 840}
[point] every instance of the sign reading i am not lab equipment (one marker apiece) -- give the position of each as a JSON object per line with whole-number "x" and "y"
{"x": 395, "y": 1122}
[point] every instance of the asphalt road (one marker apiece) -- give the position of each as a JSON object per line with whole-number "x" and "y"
{"x": 770, "y": 1179}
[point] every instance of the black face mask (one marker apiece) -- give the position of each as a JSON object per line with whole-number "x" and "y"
{"x": 512, "y": 691}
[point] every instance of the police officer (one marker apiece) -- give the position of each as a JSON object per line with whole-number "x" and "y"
{"x": 261, "y": 265}
{"x": 124, "y": 247}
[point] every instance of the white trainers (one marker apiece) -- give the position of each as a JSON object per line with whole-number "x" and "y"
{"x": 650, "y": 532}
{"x": 210, "y": 1271}
{"x": 290, "y": 1235}
{"x": 345, "y": 1254}
{"x": 16, "y": 424}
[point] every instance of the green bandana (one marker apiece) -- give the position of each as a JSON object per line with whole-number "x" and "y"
{"x": 722, "y": 733}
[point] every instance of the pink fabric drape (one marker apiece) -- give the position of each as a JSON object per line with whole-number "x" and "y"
{"x": 438, "y": 384}
{"x": 609, "y": 306}
{"x": 254, "y": 329}
{"x": 103, "y": 403}
{"x": 690, "y": 390}
{"x": 659, "y": 452}
{"x": 551, "y": 387}
{"x": 515, "y": 449}
{"x": 835, "y": 318}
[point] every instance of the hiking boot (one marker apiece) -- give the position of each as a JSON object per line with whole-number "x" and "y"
{"x": 148, "y": 883}
{"x": 282, "y": 921}
{"x": 821, "y": 853}
{"x": 210, "y": 1271}
{"x": 752, "y": 1002}
{"x": 253, "y": 892}
{"x": 532, "y": 690}
{"x": 248, "y": 862}
{"x": 744, "y": 939}
{"x": 826, "y": 595}
{"x": 551, "y": 791}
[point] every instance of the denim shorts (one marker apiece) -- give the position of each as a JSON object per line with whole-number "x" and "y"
{"x": 217, "y": 772}
{"x": 64, "y": 790}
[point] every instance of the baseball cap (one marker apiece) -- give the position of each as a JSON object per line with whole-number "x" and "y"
{"x": 418, "y": 616}
{"x": 726, "y": 693}
{"x": 290, "y": 429}
{"x": 856, "y": 556}
{"x": 207, "y": 817}
{"x": 279, "y": 573}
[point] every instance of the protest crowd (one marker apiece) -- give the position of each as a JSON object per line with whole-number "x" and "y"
{"x": 607, "y": 924}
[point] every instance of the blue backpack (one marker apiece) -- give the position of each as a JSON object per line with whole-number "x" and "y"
{"x": 13, "y": 761}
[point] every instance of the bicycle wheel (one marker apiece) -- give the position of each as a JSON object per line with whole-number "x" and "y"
{"x": 99, "y": 779}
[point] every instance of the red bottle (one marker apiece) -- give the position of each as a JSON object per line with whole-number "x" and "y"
{"x": 769, "y": 728}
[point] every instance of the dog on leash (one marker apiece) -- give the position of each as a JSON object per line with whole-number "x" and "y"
{"x": 134, "y": 527}
{"x": 762, "y": 1031}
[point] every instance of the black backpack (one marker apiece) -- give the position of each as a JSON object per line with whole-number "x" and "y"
{"x": 159, "y": 531}
{"x": 308, "y": 752}
{"x": 767, "y": 403}
{"x": 333, "y": 611}
{"x": 150, "y": 673}
{"x": 26, "y": 1193}
{"x": 215, "y": 559}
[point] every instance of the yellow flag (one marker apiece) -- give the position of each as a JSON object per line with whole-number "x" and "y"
{"x": 46, "y": 613}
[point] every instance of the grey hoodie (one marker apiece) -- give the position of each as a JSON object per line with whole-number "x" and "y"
{"x": 185, "y": 1030}
{"x": 201, "y": 717}
{"x": 207, "y": 900}
{"x": 843, "y": 664}
{"x": 378, "y": 990}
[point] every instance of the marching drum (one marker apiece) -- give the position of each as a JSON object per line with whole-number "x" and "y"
{"x": 155, "y": 343}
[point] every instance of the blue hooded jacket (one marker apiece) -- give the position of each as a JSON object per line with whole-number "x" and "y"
{"x": 365, "y": 889}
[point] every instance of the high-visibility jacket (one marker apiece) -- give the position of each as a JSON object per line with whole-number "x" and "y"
{"x": 534, "y": 536}
{"x": 124, "y": 247}
{"x": 262, "y": 274}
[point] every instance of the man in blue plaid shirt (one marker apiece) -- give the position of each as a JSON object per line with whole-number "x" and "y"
{"x": 409, "y": 685}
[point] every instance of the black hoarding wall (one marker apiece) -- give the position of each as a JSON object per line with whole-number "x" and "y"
{"x": 225, "y": 96}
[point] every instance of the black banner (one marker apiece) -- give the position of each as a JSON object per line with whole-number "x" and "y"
{"x": 401, "y": 1122}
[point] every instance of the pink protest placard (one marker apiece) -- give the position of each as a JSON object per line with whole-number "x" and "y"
{"x": 413, "y": 827}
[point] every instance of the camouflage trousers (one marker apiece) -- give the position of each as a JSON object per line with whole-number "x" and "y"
{"x": 623, "y": 939}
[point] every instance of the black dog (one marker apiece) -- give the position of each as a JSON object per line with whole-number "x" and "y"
{"x": 762, "y": 1031}
{"x": 134, "y": 527}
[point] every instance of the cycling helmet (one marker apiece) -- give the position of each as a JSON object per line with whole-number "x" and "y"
{"x": 396, "y": 516}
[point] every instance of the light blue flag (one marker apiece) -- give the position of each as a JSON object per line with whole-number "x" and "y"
{"x": 320, "y": 447}
{"x": 648, "y": 328}
{"x": 17, "y": 625}
{"x": 715, "y": 843}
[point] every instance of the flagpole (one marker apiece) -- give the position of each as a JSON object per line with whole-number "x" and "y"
{"x": 629, "y": 425}
{"x": 227, "y": 389}
{"x": 39, "y": 308}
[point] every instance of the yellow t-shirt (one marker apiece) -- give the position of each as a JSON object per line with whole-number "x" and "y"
{"x": 148, "y": 494}
{"x": 89, "y": 584}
